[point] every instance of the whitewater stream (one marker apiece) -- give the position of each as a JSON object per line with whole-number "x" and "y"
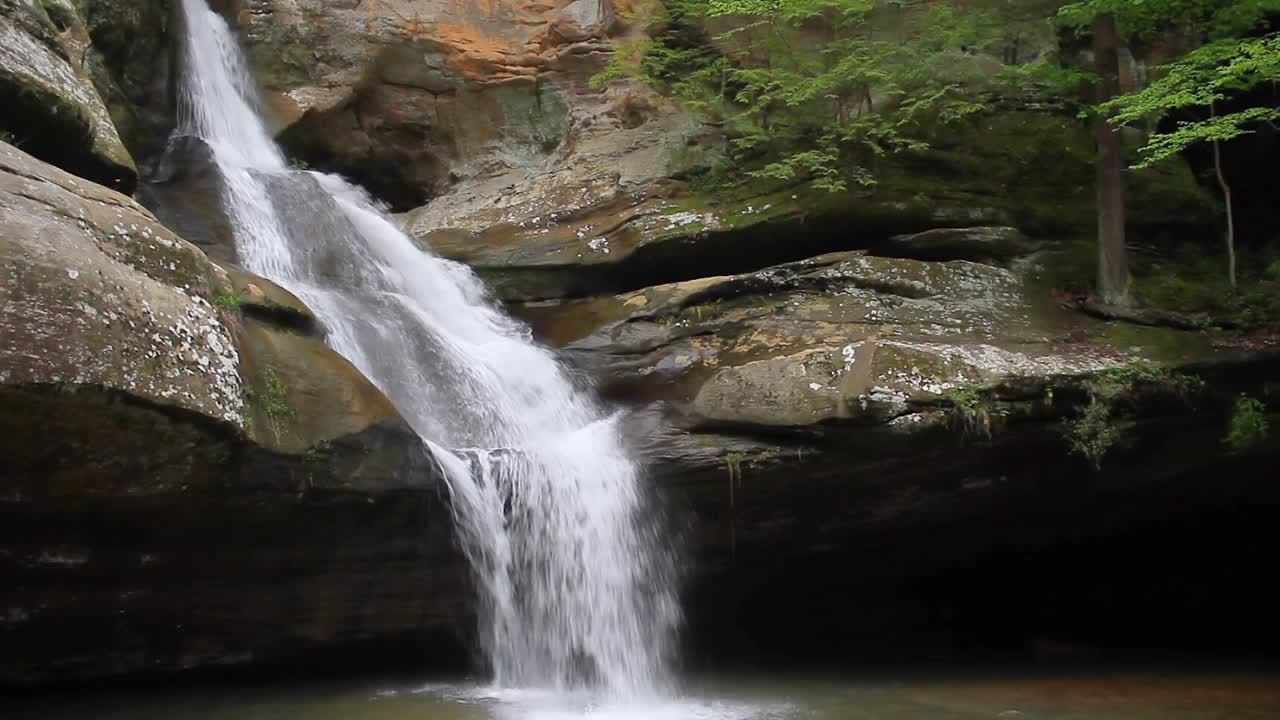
{"x": 576, "y": 591}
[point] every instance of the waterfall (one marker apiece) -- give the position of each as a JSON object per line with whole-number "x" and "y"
{"x": 574, "y": 586}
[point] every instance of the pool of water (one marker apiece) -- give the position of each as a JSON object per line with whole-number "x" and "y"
{"x": 1116, "y": 696}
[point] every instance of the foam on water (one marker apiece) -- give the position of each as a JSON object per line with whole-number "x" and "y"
{"x": 576, "y": 590}
{"x": 534, "y": 704}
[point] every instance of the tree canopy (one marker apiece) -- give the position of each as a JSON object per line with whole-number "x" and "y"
{"x": 1240, "y": 51}
{"x": 810, "y": 89}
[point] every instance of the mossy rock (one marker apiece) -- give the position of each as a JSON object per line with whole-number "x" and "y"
{"x": 52, "y": 107}
{"x": 268, "y": 302}
{"x": 301, "y": 393}
{"x": 107, "y": 306}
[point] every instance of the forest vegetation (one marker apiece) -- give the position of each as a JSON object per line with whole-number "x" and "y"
{"x": 821, "y": 92}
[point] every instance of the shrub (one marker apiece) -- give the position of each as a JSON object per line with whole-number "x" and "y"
{"x": 973, "y": 412}
{"x": 1249, "y": 425}
{"x": 1098, "y": 429}
{"x": 1106, "y": 421}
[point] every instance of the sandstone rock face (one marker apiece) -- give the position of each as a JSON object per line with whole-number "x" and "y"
{"x": 799, "y": 408}
{"x": 583, "y": 20}
{"x": 553, "y": 187}
{"x": 185, "y": 453}
{"x": 599, "y": 229}
{"x": 52, "y": 106}
{"x": 414, "y": 98}
{"x": 839, "y": 337}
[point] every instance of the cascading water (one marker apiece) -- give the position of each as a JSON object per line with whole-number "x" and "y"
{"x": 575, "y": 588}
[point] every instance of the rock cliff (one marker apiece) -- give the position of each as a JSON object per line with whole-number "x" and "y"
{"x": 849, "y": 401}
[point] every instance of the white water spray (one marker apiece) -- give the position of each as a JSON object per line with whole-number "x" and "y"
{"x": 575, "y": 588}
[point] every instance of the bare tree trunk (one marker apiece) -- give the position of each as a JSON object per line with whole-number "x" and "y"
{"x": 1226, "y": 193}
{"x": 1113, "y": 261}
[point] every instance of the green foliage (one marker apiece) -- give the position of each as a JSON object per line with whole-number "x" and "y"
{"x": 1190, "y": 281}
{"x": 1202, "y": 78}
{"x": 275, "y": 400}
{"x": 1249, "y": 425}
{"x": 6, "y": 136}
{"x": 1147, "y": 19}
{"x": 1125, "y": 381}
{"x": 973, "y": 411}
{"x": 229, "y": 301}
{"x": 1097, "y": 430}
{"x": 318, "y": 453}
{"x": 808, "y": 90}
{"x": 1240, "y": 53}
{"x": 1107, "y": 419}
{"x": 1272, "y": 273}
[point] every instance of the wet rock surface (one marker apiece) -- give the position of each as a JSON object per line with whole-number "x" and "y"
{"x": 179, "y": 446}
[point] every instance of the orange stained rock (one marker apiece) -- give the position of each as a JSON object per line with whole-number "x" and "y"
{"x": 483, "y": 39}
{"x": 481, "y": 55}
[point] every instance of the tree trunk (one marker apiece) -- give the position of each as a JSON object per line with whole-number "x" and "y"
{"x": 1113, "y": 261}
{"x": 1226, "y": 194}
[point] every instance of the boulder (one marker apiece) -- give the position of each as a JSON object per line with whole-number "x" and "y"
{"x": 191, "y": 477}
{"x": 52, "y": 107}
{"x": 841, "y": 337}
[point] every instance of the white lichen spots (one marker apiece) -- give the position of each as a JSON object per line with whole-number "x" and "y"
{"x": 894, "y": 398}
{"x": 121, "y": 326}
{"x": 908, "y": 419}
{"x": 996, "y": 361}
{"x": 681, "y": 220}
{"x": 849, "y": 353}
{"x": 600, "y": 244}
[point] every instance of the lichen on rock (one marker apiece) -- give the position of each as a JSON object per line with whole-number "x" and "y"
{"x": 100, "y": 293}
